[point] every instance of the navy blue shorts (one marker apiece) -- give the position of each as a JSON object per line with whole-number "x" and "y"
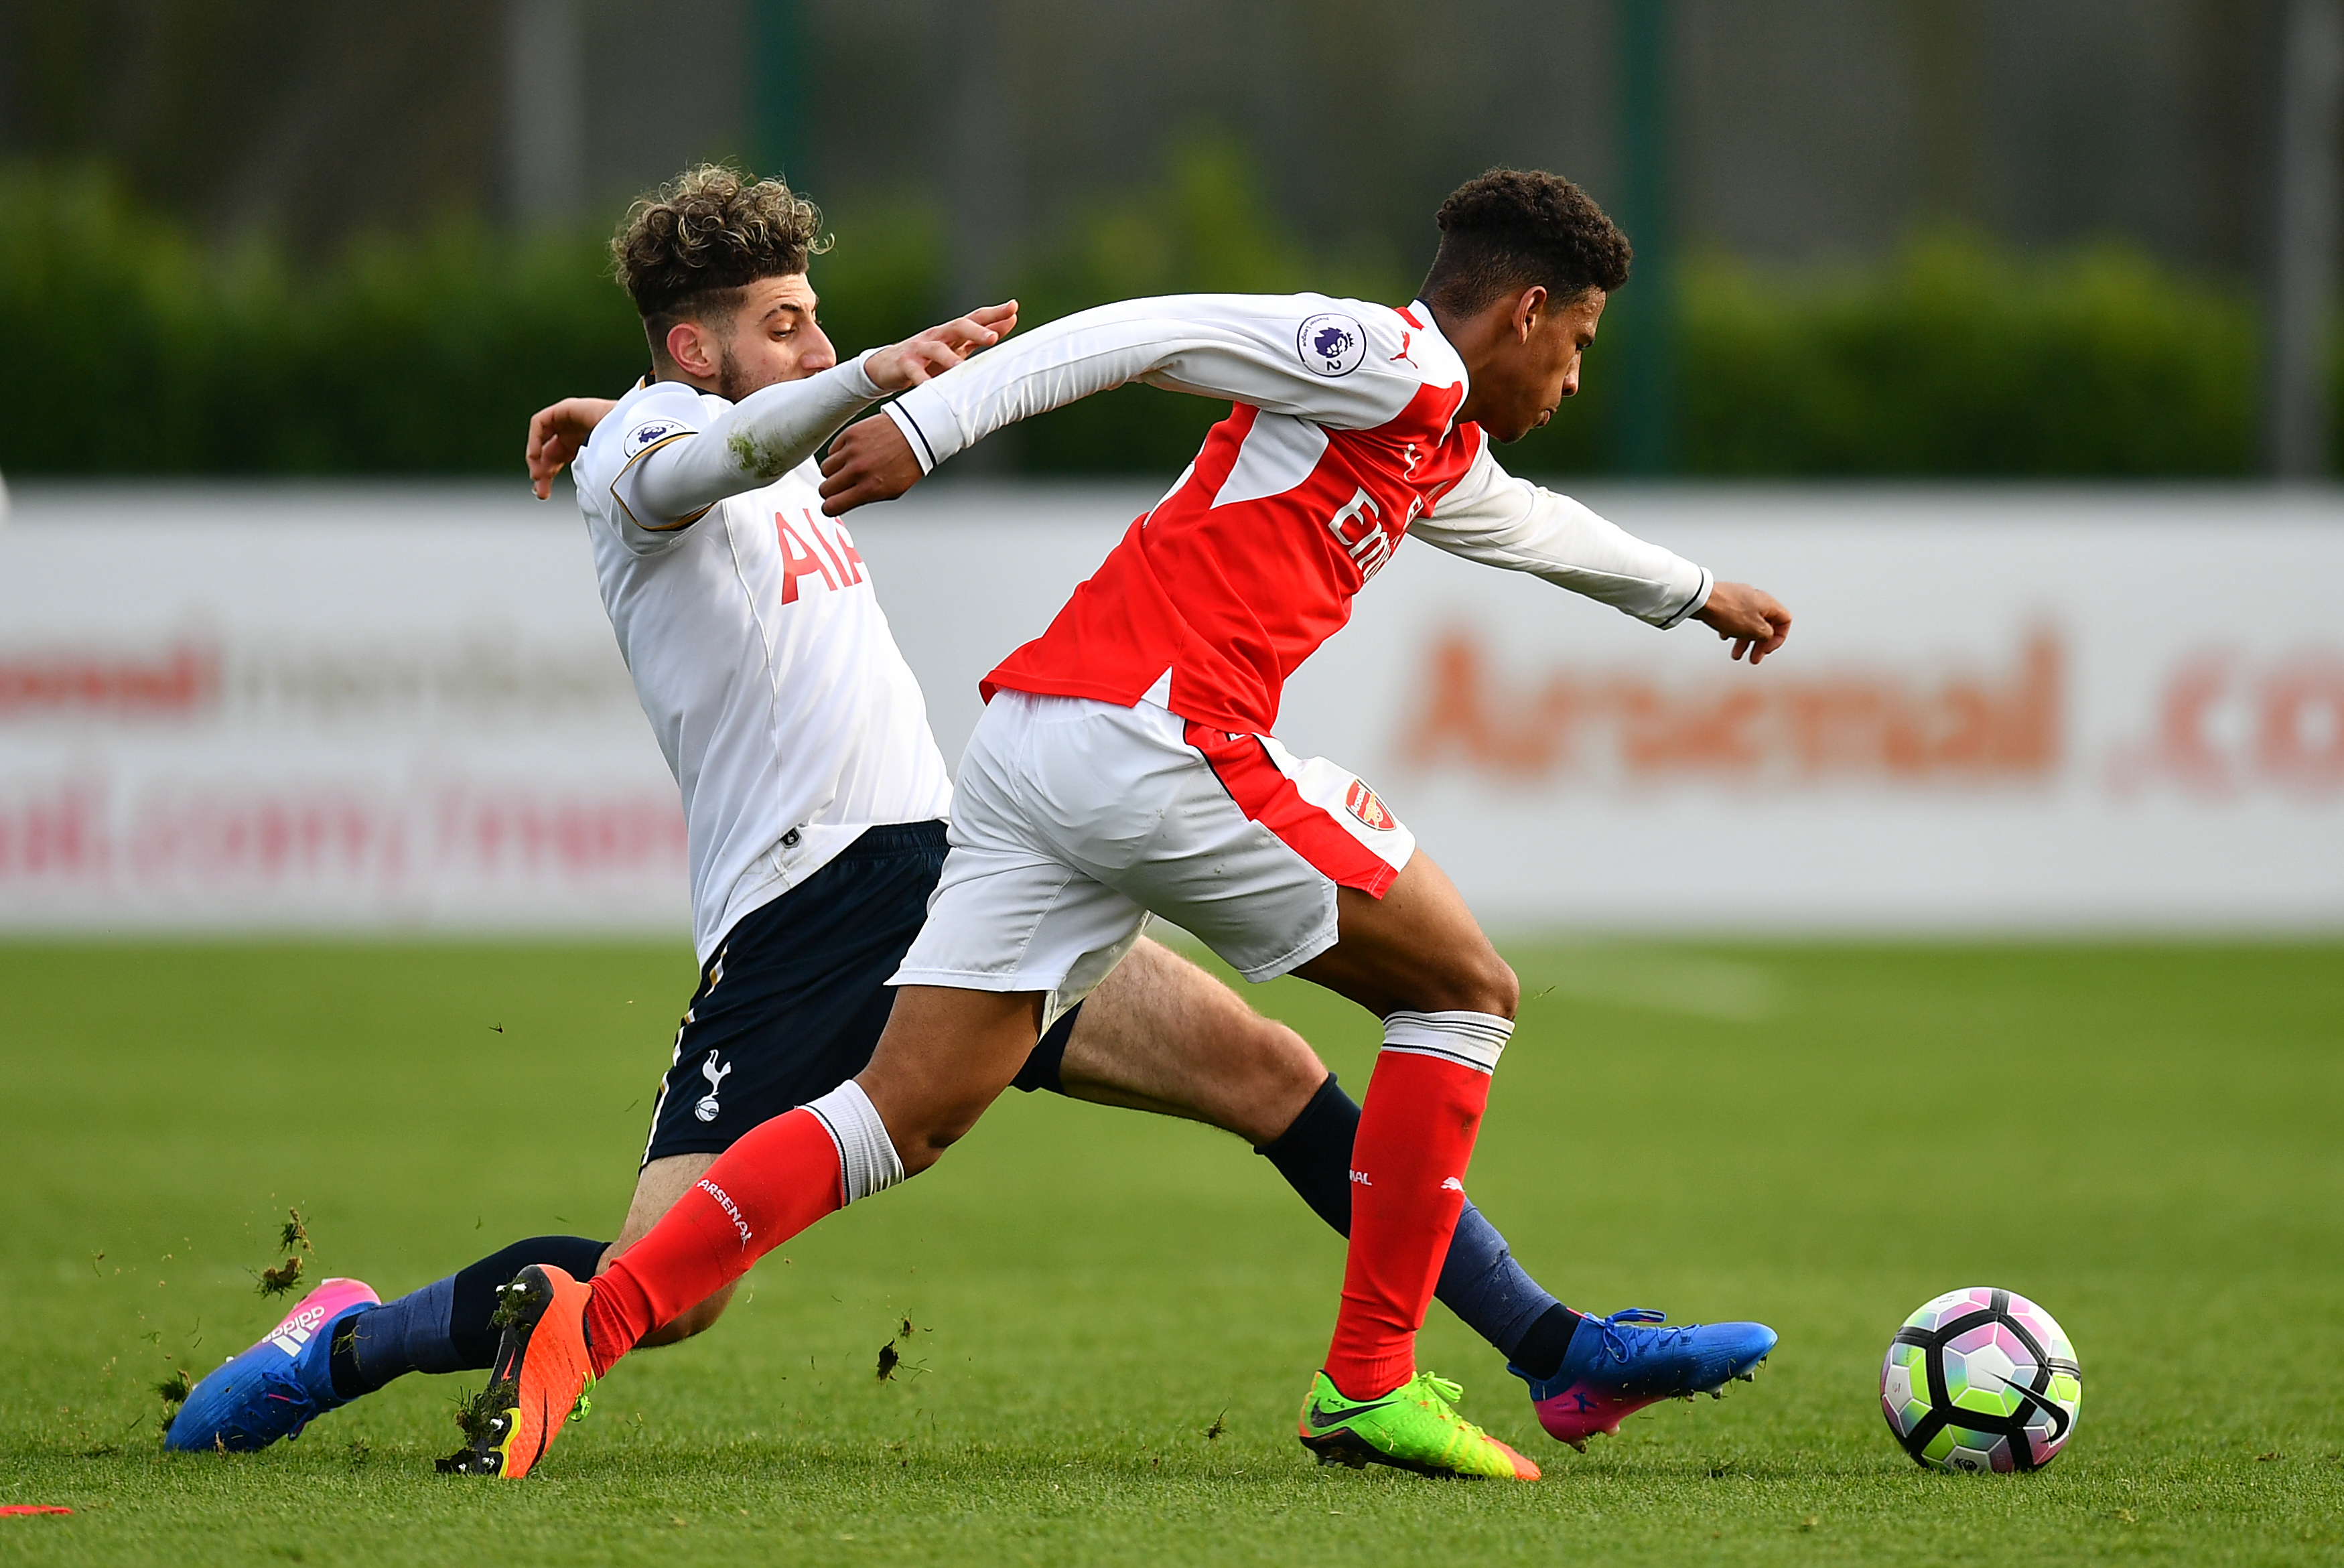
{"x": 791, "y": 1005}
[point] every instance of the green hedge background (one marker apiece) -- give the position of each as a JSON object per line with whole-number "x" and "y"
{"x": 133, "y": 350}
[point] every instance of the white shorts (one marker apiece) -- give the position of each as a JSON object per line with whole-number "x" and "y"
{"x": 1073, "y": 820}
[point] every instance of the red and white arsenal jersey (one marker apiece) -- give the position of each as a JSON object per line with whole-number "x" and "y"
{"x": 1342, "y": 440}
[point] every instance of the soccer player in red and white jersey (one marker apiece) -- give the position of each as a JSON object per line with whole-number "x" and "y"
{"x": 1125, "y": 765}
{"x": 814, "y": 796}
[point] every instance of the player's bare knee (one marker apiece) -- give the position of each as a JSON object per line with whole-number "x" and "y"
{"x": 1473, "y": 981}
{"x": 920, "y": 1153}
{"x": 922, "y": 1142}
{"x": 1502, "y": 987}
{"x": 1286, "y": 1059}
{"x": 1269, "y": 1083}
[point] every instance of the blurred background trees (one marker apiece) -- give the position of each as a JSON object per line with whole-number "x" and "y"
{"x": 1892, "y": 237}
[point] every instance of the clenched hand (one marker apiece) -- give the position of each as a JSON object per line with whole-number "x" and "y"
{"x": 869, "y": 462}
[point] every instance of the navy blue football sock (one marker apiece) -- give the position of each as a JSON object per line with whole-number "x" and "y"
{"x": 1481, "y": 1282}
{"x": 444, "y": 1327}
{"x": 1314, "y": 1154}
{"x": 1545, "y": 1343}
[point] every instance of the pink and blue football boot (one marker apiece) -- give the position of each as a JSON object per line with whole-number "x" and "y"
{"x": 1618, "y": 1365}
{"x": 277, "y": 1387}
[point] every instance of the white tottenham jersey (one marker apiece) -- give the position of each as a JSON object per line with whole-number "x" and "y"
{"x": 756, "y": 643}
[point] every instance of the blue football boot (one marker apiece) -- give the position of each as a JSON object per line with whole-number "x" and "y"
{"x": 277, "y": 1387}
{"x": 1618, "y": 1365}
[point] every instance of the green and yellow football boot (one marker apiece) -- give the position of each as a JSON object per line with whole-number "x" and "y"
{"x": 1415, "y": 1427}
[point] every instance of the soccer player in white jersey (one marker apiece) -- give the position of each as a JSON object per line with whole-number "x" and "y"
{"x": 813, "y": 796}
{"x": 1126, "y": 764}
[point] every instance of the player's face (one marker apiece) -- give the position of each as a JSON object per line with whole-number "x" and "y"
{"x": 1545, "y": 369}
{"x": 774, "y": 338}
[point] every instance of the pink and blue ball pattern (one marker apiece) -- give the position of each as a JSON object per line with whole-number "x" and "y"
{"x": 1980, "y": 1380}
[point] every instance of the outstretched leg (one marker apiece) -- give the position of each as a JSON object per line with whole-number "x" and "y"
{"x": 339, "y": 1343}
{"x": 447, "y": 1327}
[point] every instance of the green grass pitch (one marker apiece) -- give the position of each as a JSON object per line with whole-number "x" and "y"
{"x": 1115, "y": 1317}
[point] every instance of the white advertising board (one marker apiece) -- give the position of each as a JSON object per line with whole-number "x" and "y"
{"x": 294, "y": 708}
{"x": 271, "y": 708}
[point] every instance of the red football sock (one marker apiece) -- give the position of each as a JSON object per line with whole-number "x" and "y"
{"x": 780, "y": 1178}
{"x": 1417, "y": 1126}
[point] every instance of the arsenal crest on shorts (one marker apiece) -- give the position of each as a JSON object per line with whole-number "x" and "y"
{"x": 1362, "y": 803}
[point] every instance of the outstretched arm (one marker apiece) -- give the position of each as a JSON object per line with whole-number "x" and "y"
{"x": 681, "y": 474}
{"x": 1243, "y": 347}
{"x": 1500, "y": 520}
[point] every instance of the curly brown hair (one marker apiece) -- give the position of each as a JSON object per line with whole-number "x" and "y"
{"x": 687, "y": 250}
{"x": 1511, "y": 229}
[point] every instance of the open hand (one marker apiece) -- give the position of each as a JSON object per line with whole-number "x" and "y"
{"x": 870, "y": 460}
{"x": 557, "y": 434}
{"x": 1751, "y": 617}
{"x": 939, "y": 349}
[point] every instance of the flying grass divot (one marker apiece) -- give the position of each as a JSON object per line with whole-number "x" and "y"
{"x": 294, "y": 1238}
{"x": 890, "y": 1359}
{"x": 173, "y": 1391}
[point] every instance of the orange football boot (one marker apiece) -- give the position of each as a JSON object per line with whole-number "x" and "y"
{"x": 541, "y": 1377}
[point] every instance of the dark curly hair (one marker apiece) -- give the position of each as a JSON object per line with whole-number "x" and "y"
{"x": 1511, "y": 229}
{"x": 687, "y": 250}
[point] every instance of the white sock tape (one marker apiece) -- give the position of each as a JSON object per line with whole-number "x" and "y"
{"x": 1474, "y": 1040}
{"x": 867, "y": 1162}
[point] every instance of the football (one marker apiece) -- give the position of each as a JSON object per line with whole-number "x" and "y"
{"x": 1980, "y": 1380}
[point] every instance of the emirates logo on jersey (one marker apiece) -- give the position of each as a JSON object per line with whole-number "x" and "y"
{"x": 1364, "y": 803}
